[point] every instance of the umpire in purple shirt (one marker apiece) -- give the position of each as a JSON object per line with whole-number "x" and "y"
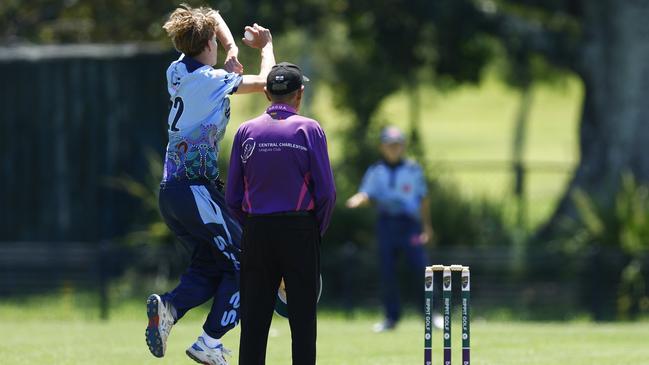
{"x": 280, "y": 187}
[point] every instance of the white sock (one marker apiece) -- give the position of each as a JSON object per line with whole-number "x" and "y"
{"x": 209, "y": 341}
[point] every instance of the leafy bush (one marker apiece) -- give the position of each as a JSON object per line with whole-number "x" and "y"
{"x": 460, "y": 221}
{"x": 616, "y": 234}
{"x": 149, "y": 229}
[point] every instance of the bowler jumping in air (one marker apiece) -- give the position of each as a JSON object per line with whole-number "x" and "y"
{"x": 191, "y": 199}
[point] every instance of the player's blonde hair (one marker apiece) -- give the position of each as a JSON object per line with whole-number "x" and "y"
{"x": 190, "y": 29}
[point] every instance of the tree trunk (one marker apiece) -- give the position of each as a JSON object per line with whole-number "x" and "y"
{"x": 415, "y": 147}
{"x": 518, "y": 153}
{"x": 614, "y": 129}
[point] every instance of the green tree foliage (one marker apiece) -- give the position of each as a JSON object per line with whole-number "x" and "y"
{"x": 539, "y": 37}
{"x": 75, "y": 21}
{"x": 388, "y": 47}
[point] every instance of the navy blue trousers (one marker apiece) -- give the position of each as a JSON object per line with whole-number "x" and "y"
{"x": 398, "y": 235}
{"x": 198, "y": 216}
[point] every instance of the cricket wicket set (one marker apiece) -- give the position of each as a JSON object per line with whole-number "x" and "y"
{"x": 446, "y": 305}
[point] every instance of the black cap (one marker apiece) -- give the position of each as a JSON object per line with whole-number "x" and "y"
{"x": 284, "y": 78}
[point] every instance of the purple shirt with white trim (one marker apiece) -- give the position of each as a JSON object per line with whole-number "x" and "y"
{"x": 279, "y": 163}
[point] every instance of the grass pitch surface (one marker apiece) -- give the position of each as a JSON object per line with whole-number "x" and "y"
{"x": 341, "y": 341}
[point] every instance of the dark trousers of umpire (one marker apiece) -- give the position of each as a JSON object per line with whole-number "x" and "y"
{"x": 276, "y": 246}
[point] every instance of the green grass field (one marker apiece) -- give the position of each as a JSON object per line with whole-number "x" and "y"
{"x": 340, "y": 342}
{"x": 64, "y": 330}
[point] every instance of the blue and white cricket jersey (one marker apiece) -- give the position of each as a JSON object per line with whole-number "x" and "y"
{"x": 200, "y": 111}
{"x": 396, "y": 190}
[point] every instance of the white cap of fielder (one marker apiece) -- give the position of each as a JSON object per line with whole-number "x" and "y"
{"x": 392, "y": 134}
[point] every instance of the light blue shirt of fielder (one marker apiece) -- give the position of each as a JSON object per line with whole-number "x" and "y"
{"x": 396, "y": 189}
{"x": 200, "y": 112}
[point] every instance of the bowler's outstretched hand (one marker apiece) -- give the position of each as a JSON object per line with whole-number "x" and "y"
{"x": 261, "y": 36}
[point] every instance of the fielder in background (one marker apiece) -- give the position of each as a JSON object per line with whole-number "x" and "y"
{"x": 280, "y": 186}
{"x": 398, "y": 188}
{"x": 191, "y": 201}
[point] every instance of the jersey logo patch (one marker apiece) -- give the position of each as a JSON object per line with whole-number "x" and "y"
{"x": 248, "y": 147}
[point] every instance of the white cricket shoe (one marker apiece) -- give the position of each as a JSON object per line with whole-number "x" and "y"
{"x": 203, "y": 354}
{"x": 160, "y": 322}
{"x": 385, "y": 326}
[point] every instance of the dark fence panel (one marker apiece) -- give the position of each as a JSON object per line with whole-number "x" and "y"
{"x": 69, "y": 118}
{"x": 42, "y": 267}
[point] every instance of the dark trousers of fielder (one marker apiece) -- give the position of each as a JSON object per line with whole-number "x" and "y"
{"x": 276, "y": 246}
{"x": 398, "y": 235}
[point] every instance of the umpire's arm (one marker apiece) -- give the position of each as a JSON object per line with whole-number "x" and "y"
{"x": 234, "y": 191}
{"x": 324, "y": 189}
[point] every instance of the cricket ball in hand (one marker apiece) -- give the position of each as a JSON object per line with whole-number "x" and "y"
{"x": 248, "y": 35}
